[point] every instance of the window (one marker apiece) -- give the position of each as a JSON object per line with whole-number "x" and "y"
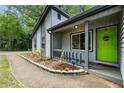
{"x": 78, "y": 41}
{"x": 35, "y": 43}
{"x": 43, "y": 42}
{"x": 82, "y": 41}
{"x": 43, "y": 45}
{"x": 75, "y": 41}
{"x": 59, "y": 16}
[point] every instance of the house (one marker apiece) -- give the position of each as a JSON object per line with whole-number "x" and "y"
{"x": 94, "y": 39}
{"x": 51, "y": 16}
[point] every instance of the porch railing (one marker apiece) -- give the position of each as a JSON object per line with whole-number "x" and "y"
{"x": 68, "y": 56}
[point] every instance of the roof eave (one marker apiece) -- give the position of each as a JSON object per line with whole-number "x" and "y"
{"x": 41, "y": 19}
{"x": 86, "y": 14}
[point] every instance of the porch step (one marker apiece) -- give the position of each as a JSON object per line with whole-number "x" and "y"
{"x": 112, "y": 74}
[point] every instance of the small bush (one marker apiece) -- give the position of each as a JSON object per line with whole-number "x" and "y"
{"x": 38, "y": 53}
{"x": 66, "y": 69}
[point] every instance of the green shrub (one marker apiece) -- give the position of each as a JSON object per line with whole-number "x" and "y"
{"x": 66, "y": 69}
{"x": 38, "y": 53}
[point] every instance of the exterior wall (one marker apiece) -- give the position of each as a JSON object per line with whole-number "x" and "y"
{"x": 43, "y": 35}
{"x": 66, "y": 41}
{"x": 55, "y": 20}
{"x": 57, "y": 38}
{"x": 121, "y": 56}
{"x": 38, "y": 38}
{"x": 47, "y": 24}
{"x": 33, "y": 44}
{"x": 50, "y": 20}
{"x": 106, "y": 21}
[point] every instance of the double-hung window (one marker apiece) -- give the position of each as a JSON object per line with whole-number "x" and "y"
{"x": 59, "y": 16}
{"x": 43, "y": 42}
{"x": 35, "y": 43}
{"x": 78, "y": 41}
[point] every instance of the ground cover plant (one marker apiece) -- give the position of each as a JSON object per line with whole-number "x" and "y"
{"x": 6, "y": 78}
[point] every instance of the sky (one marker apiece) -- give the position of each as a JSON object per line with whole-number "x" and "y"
{"x": 3, "y": 7}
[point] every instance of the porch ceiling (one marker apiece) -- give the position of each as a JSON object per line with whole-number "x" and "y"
{"x": 71, "y": 28}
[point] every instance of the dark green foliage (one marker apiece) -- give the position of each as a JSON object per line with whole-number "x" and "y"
{"x": 17, "y": 23}
{"x": 76, "y": 9}
{"x": 12, "y": 34}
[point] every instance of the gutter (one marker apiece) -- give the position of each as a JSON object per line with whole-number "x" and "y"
{"x": 88, "y": 13}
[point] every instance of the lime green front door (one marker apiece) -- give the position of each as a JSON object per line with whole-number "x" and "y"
{"x": 107, "y": 44}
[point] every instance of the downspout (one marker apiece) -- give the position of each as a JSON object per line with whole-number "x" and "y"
{"x": 51, "y": 39}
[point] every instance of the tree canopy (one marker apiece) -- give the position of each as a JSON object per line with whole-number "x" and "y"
{"x": 17, "y": 23}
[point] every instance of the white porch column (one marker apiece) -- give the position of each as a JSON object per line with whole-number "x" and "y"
{"x": 86, "y": 45}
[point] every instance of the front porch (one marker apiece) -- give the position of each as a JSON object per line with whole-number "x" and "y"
{"x": 107, "y": 72}
{"x": 78, "y": 42}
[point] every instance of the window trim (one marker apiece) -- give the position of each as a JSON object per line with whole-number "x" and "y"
{"x": 58, "y": 16}
{"x": 77, "y": 33}
{"x": 42, "y": 42}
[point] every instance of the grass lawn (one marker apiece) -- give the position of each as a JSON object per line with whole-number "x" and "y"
{"x": 6, "y": 79}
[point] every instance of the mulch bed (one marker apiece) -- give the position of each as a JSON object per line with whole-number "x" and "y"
{"x": 51, "y": 63}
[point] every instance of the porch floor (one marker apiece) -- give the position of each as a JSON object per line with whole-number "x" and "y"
{"x": 106, "y": 72}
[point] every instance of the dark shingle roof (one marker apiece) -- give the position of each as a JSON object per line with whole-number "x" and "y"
{"x": 44, "y": 14}
{"x": 90, "y": 12}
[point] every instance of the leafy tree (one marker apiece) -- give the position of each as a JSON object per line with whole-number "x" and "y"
{"x": 11, "y": 31}
{"x": 76, "y": 9}
{"x": 17, "y": 23}
{"x": 28, "y": 15}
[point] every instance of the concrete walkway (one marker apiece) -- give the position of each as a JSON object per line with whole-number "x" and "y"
{"x": 32, "y": 76}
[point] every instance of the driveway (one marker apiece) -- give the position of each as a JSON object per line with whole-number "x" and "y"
{"x": 33, "y": 77}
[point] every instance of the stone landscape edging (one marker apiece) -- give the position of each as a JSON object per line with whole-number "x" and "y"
{"x": 81, "y": 71}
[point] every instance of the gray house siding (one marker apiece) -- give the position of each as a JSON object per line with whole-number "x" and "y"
{"x": 42, "y": 36}
{"x": 38, "y": 38}
{"x": 47, "y": 24}
{"x": 121, "y": 56}
{"x": 50, "y": 21}
{"x": 57, "y": 38}
{"x": 55, "y": 20}
{"x": 33, "y": 44}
